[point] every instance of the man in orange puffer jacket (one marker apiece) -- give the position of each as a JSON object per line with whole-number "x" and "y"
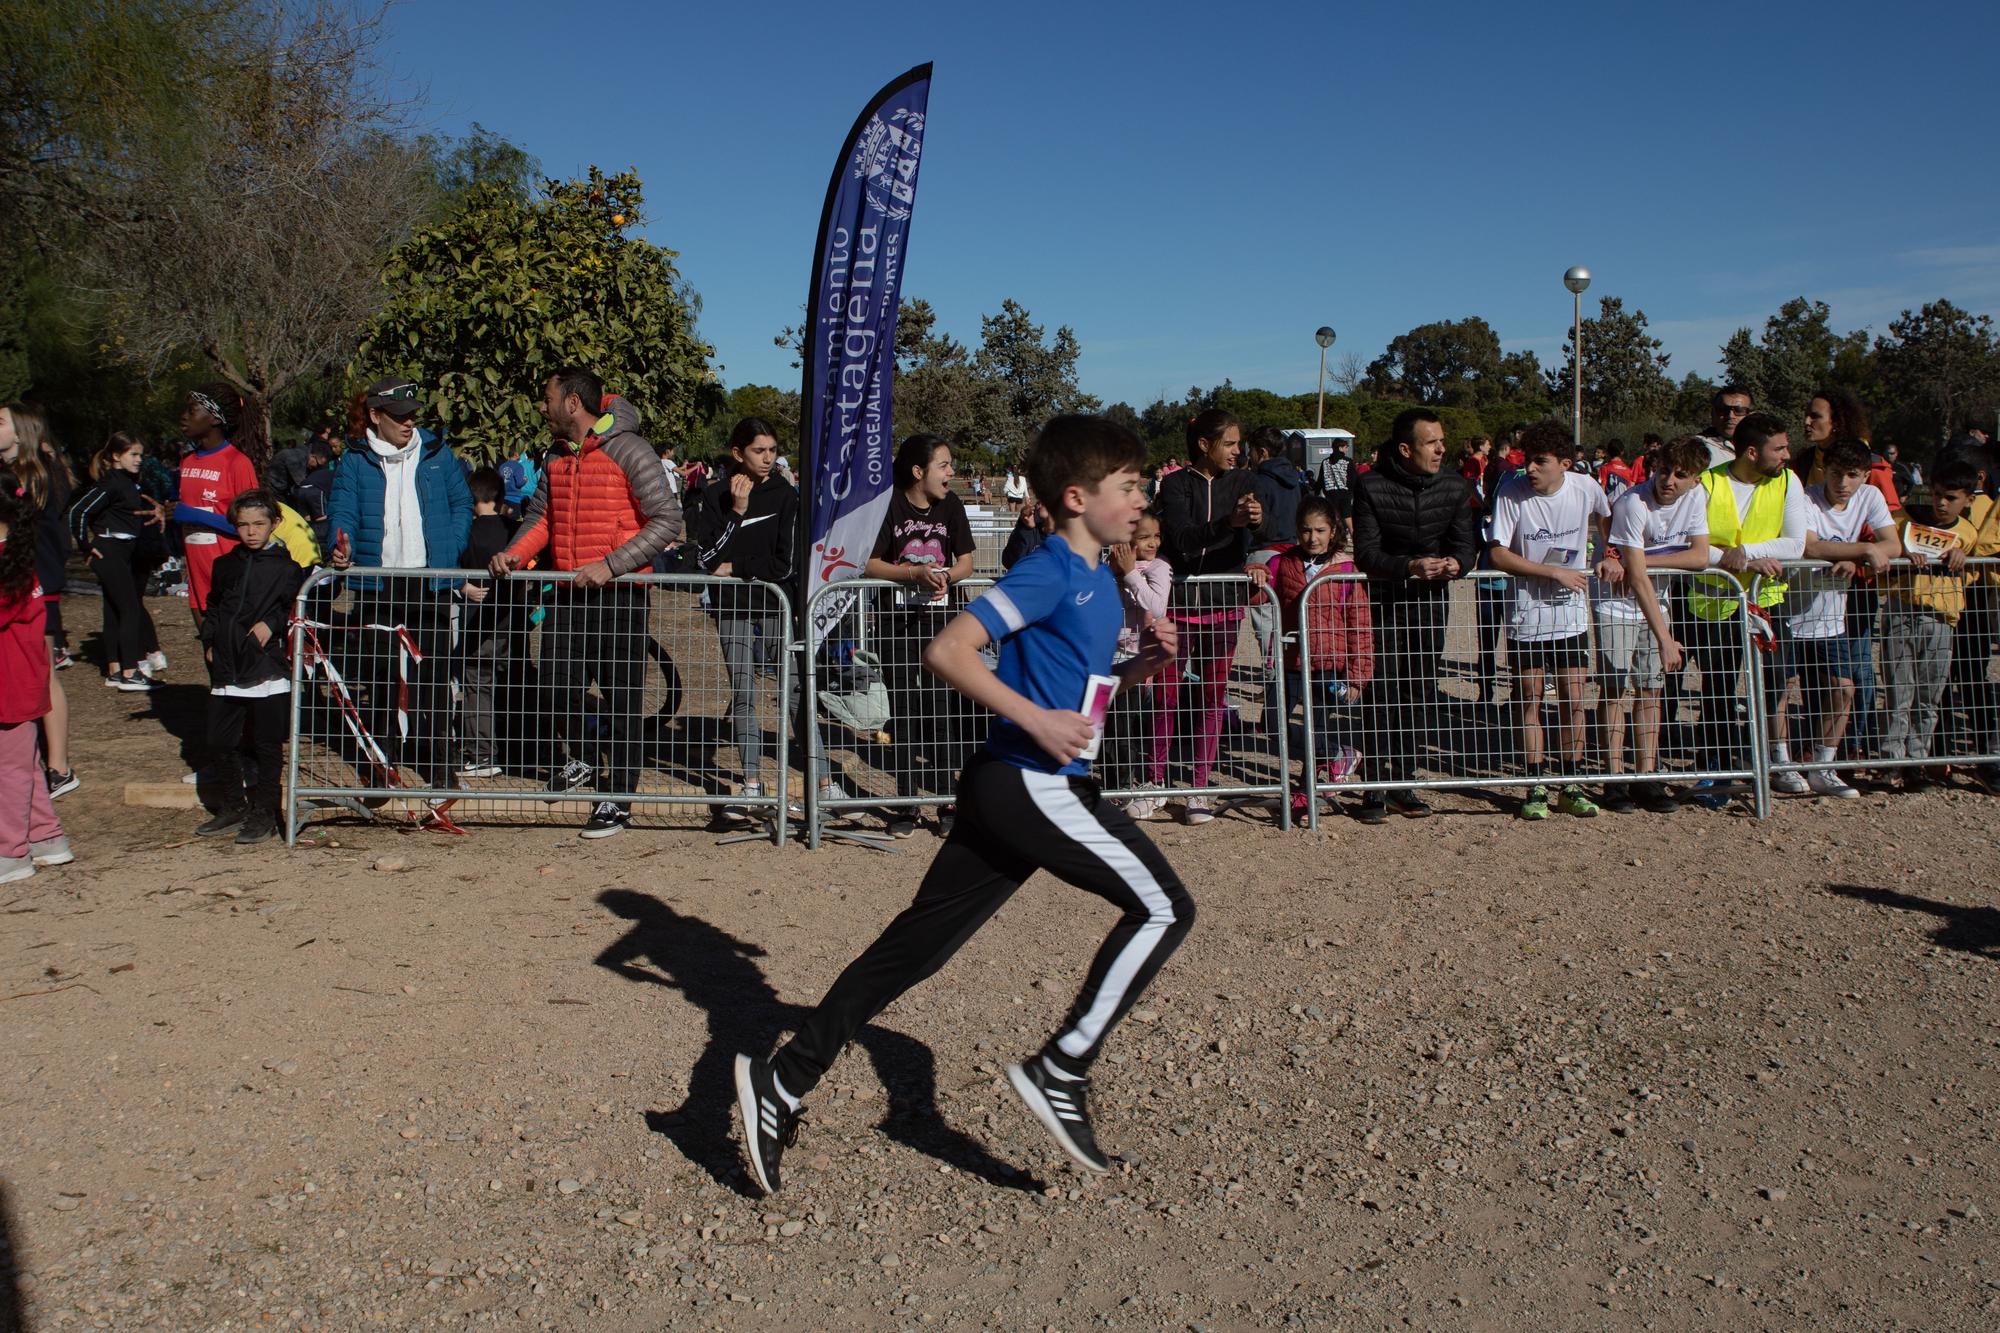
{"x": 602, "y": 509}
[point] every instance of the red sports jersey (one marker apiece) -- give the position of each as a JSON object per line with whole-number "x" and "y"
{"x": 209, "y": 482}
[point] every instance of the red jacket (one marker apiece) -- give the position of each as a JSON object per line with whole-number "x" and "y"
{"x": 24, "y": 656}
{"x": 605, "y": 499}
{"x": 1342, "y": 630}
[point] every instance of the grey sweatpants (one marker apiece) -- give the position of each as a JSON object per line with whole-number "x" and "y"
{"x": 1916, "y": 656}
{"x": 749, "y": 642}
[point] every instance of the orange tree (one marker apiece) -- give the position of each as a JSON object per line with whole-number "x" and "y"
{"x": 480, "y": 307}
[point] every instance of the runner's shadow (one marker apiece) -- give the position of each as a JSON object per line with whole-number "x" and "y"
{"x": 13, "y": 1310}
{"x": 1974, "y": 930}
{"x": 719, "y": 975}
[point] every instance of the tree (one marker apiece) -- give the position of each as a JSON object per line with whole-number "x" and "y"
{"x": 1692, "y": 399}
{"x": 255, "y": 238}
{"x": 1938, "y": 363}
{"x": 939, "y": 391}
{"x": 1624, "y": 370}
{"x": 1798, "y": 355}
{"x": 481, "y": 158}
{"x": 483, "y": 305}
{"x": 1452, "y": 362}
{"x": 1037, "y": 377}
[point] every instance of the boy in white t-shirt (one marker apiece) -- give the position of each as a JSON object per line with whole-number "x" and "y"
{"x": 1849, "y": 523}
{"x": 1662, "y": 523}
{"x": 1543, "y": 524}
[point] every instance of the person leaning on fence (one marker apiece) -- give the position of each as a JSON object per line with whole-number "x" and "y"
{"x": 250, "y": 681}
{"x": 1661, "y": 523}
{"x": 1756, "y": 519}
{"x": 1146, "y": 586}
{"x": 1209, "y": 514}
{"x": 1545, "y": 524}
{"x": 1415, "y": 530}
{"x": 1337, "y": 635}
{"x": 746, "y": 529}
{"x": 925, "y": 544}
{"x": 1848, "y": 523}
{"x": 1921, "y": 607}
{"x": 602, "y": 510}
{"x": 488, "y": 615}
{"x": 399, "y": 501}
{"x": 1028, "y": 803}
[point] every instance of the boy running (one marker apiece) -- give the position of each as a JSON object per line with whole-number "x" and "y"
{"x": 1025, "y": 803}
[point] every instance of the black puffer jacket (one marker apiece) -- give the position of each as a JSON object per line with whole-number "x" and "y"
{"x": 250, "y": 588}
{"x": 1400, "y": 516}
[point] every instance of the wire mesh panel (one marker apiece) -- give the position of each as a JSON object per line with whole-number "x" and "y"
{"x": 896, "y": 736}
{"x": 1405, "y": 690}
{"x": 1887, "y": 679}
{"x": 442, "y": 698}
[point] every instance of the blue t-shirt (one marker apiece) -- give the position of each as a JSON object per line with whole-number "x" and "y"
{"x": 1056, "y": 620}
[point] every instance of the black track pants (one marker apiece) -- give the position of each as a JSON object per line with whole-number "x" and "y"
{"x": 1011, "y": 823}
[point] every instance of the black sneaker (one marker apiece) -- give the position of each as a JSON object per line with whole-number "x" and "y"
{"x": 224, "y": 821}
{"x": 1655, "y": 798}
{"x": 607, "y": 819}
{"x": 62, "y": 783}
{"x": 900, "y": 824}
{"x": 570, "y": 777}
{"x": 258, "y": 826}
{"x": 1374, "y": 809}
{"x": 1408, "y": 804}
{"x": 1059, "y": 1104}
{"x": 769, "y": 1126}
{"x": 1616, "y": 797}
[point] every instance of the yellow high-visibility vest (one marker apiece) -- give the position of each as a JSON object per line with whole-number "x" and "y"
{"x": 1714, "y": 596}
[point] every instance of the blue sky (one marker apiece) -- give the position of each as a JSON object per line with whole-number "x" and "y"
{"x": 1195, "y": 188}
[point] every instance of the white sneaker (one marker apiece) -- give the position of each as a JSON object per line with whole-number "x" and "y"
{"x": 15, "y": 868}
{"x": 155, "y": 661}
{"x": 1826, "y": 782}
{"x": 1196, "y": 811}
{"x": 52, "y": 851}
{"x": 1143, "y": 808}
{"x": 1790, "y": 782}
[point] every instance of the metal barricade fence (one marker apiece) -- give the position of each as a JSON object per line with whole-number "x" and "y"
{"x": 440, "y": 695}
{"x": 897, "y": 736}
{"x": 1403, "y": 693}
{"x": 1890, "y": 673}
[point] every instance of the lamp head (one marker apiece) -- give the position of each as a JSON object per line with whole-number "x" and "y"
{"x": 1323, "y": 336}
{"x": 1577, "y": 279}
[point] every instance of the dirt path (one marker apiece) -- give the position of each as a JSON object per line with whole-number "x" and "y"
{"x": 1465, "y": 1073}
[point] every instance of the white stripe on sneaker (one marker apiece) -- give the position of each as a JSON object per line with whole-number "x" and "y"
{"x": 1052, "y": 796}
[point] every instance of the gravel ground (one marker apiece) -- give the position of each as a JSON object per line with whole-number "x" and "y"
{"x": 1691, "y": 1071}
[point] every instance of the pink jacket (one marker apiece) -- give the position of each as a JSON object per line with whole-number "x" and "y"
{"x": 1146, "y": 590}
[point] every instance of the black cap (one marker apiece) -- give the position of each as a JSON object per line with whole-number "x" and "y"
{"x": 394, "y": 395}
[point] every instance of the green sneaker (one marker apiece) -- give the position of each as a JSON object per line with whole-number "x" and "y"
{"x": 1574, "y": 802}
{"x": 1537, "y": 804}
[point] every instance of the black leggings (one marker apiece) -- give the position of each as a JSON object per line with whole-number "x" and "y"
{"x": 1011, "y": 823}
{"x": 129, "y": 635}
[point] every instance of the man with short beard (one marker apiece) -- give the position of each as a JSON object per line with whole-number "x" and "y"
{"x": 1415, "y": 530}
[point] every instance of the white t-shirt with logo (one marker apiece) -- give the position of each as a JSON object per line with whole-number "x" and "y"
{"x": 1816, "y": 606}
{"x": 1639, "y": 519}
{"x": 1549, "y": 530}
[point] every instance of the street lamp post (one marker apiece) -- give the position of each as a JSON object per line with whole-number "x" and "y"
{"x": 1324, "y": 337}
{"x": 1576, "y": 280}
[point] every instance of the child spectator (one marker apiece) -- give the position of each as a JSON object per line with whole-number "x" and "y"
{"x": 1849, "y": 524}
{"x": 30, "y": 833}
{"x": 27, "y": 453}
{"x": 485, "y": 624}
{"x": 926, "y": 544}
{"x": 1661, "y": 523}
{"x": 1920, "y": 610}
{"x": 1542, "y": 522}
{"x": 1146, "y": 583}
{"x": 243, "y": 637}
{"x": 107, "y": 522}
{"x": 1339, "y": 635}
{"x": 746, "y": 528}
